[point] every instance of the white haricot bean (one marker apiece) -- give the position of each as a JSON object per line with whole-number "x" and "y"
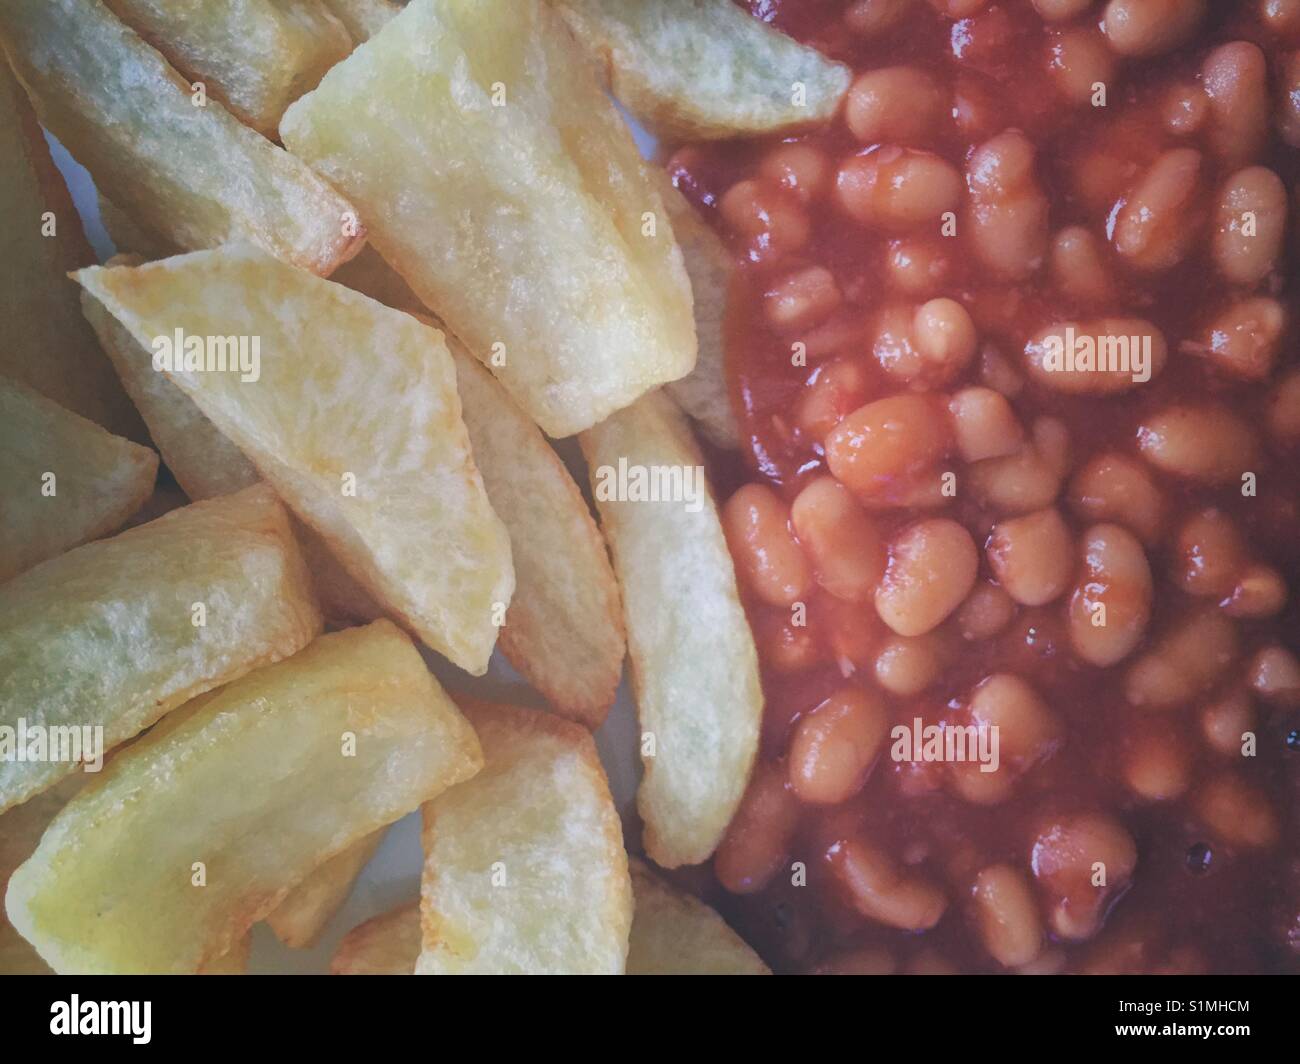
{"x": 1079, "y": 266}
{"x": 1099, "y": 357}
{"x": 1235, "y": 78}
{"x": 984, "y": 425}
{"x": 1070, "y": 858}
{"x": 1115, "y": 487}
{"x": 1079, "y": 62}
{"x": 1151, "y": 27}
{"x": 899, "y": 105}
{"x": 1237, "y": 811}
{"x": 908, "y": 666}
{"x": 897, "y": 188}
{"x": 881, "y": 891}
{"x": 1032, "y": 556}
{"x": 1251, "y": 224}
{"x": 1274, "y": 675}
{"x": 1185, "y": 663}
{"x": 1159, "y": 222}
{"x": 1284, "y": 409}
{"x": 1027, "y": 480}
{"x": 1028, "y": 733}
{"x": 1244, "y": 338}
{"x": 1208, "y": 554}
{"x": 932, "y": 567}
{"x": 1008, "y": 208}
{"x": 1061, "y": 10}
{"x": 1111, "y": 604}
{"x": 1206, "y": 443}
{"x": 1006, "y": 915}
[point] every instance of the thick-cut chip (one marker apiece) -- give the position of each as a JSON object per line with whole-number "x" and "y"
{"x": 353, "y": 417}
{"x": 388, "y": 944}
{"x": 298, "y": 919}
{"x": 363, "y": 18}
{"x": 194, "y": 175}
{"x": 204, "y": 826}
{"x": 676, "y": 934}
{"x": 476, "y": 140}
{"x": 694, "y": 666}
{"x": 524, "y": 867}
{"x": 118, "y": 632}
{"x": 703, "y": 393}
{"x": 130, "y": 236}
{"x": 255, "y": 56}
{"x": 63, "y": 479}
{"x": 564, "y": 629}
{"x": 46, "y": 344}
{"x": 233, "y": 962}
{"x": 704, "y": 69}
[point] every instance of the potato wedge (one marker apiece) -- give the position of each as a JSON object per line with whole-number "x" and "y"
{"x": 703, "y": 393}
{"x": 705, "y": 69}
{"x": 302, "y": 915}
{"x": 363, "y": 18}
{"x": 388, "y": 944}
{"x": 477, "y": 143}
{"x": 63, "y": 479}
{"x": 564, "y": 628}
{"x": 694, "y": 666}
{"x": 47, "y": 346}
{"x": 674, "y": 933}
{"x": 117, "y": 633}
{"x": 370, "y": 451}
{"x": 194, "y": 175}
{"x": 244, "y": 790}
{"x": 524, "y": 867}
{"x": 256, "y": 56}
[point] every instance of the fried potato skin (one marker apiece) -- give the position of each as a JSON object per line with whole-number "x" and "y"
{"x": 45, "y": 346}
{"x": 195, "y": 176}
{"x": 540, "y": 813}
{"x": 105, "y": 634}
{"x": 100, "y": 479}
{"x": 371, "y": 453}
{"x": 541, "y": 207}
{"x": 705, "y": 69}
{"x": 694, "y": 665}
{"x": 387, "y": 944}
{"x": 255, "y": 781}
{"x": 299, "y": 919}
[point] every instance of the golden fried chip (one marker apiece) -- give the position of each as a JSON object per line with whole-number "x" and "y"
{"x": 499, "y": 181}
{"x": 255, "y": 56}
{"x": 564, "y": 629}
{"x": 63, "y": 479}
{"x": 116, "y": 633}
{"x": 244, "y": 791}
{"x": 363, "y": 18}
{"x": 387, "y": 944}
{"x": 694, "y": 666}
{"x": 302, "y": 915}
{"x": 704, "y": 69}
{"x": 352, "y": 416}
{"x": 194, "y": 175}
{"x": 524, "y": 867}
{"x": 674, "y": 933}
{"x": 46, "y": 344}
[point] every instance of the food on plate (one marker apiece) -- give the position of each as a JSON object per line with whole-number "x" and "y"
{"x": 117, "y": 633}
{"x": 256, "y": 57}
{"x": 301, "y": 916}
{"x": 370, "y": 452}
{"x": 203, "y": 826}
{"x": 524, "y": 867}
{"x": 193, "y": 175}
{"x": 63, "y": 479}
{"x": 694, "y": 666}
{"x": 704, "y": 69}
{"x": 46, "y": 346}
{"x": 363, "y": 18}
{"x": 387, "y": 944}
{"x": 498, "y": 180}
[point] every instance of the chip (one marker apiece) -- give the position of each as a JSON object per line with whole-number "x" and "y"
{"x": 302, "y": 915}
{"x": 363, "y": 18}
{"x": 388, "y": 944}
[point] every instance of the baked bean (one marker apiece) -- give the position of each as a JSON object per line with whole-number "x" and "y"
{"x": 1280, "y": 17}
{"x": 771, "y": 563}
{"x": 785, "y": 646}
{"x": 769, "y": 218}
{"x": 1027, "y": 480}
{"x": 918, "y": 265}
{"x": 1079, "y": 268}
{"x": 1274, "y": 675}
{"x": 945, "y": 337}
{"x": 1208, "y": 553}
{"x": 886, "y": 440}
{"x": 1185, "y": 662}
{"x": 1008, "y": 208}
{"x": 1080, "y": 863}
{"x": 1028, "y": 733}
{"x": 984, "y": 425}
{"x": 999, "y": 373}
{"x": 1157, "y": 765}
{"x": 901, "y": 105}
{"x": 897, "y": 188}
{"x": 1244, "y": 337}
{"x": 801, "y": 299}
{"x": 1099, "y": 357}
{"x": 1288, "y": 118}
{"x": 852, "y": 632}
{"x": 1207, "y": 443}
{"x": 1226, "y": 720}
{"x": 1150, "y": 27}
{"x": 881, "y": 891}
{"x": 1251, "y": 225}
{"x": 1260, "y": 592}
{"x": 1186, "y": 109}
{"x": 930, "y": 962}
{"x": 847, "y": 552}
{"x": 1032, "y": 556}
{"x": 834, "y": 390}
{"x": 932, "y": 566}
{"x": 959, "y": 8}
{"x": 1006, "y": 915}
{"x": 1159, "y": 222}
{"x": 1235, "y": 78}
{"x": 865, "y": 960}
{"x": 799, "y": 168}
{"x": 757, "y": 842}
{"x": 987, "y": 610}
{"x": 1079, "y": 62}
{"x": 1114, "y": 487}
{"x": 871, "y": 18}
{"x": 1111, "y": 604}
{"x": 1284, "y": 409}
{"x": 908, "y": 666}
{"x": 1061, "y": 10}
{"x": 1237, "y": 812}
{"x": 835, "y": 746}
